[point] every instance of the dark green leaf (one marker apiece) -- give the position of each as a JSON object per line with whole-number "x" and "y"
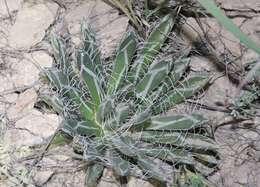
{"x": 149, "y": 168}
{"x": 152, "y": 46}
{"x": 88, "y": 73}
{"x": 125, "y": 53}
{"x": 155, "y": 75}
{"x": 105, "y": 109}
{"x": 54, "y": 102}
{"x": 60, "y": 53}
{"x": 186, "y": 140}
{"x": 186, "y": 89}
{"x": 86, "y": 128}
{"x": 122, "y": 112}
{"x": 125, "y": 145}
{"x": 93, "y": 174}
{"x": 119, "y": 165}
{"x": 176, "y": 122}
{"x": 174, "y": 155}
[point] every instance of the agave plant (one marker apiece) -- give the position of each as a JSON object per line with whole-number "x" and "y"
{"x": 117, "y": 113}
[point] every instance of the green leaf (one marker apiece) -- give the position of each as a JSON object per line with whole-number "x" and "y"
{"x": 149, "y": 168}
{"x": 60, "y": 138}
{"x": 176, "y": 122}
{"x": 141, "y": 120}
{"x": 179, "y": 68}
{"x": 186, "y": 140}
{"x": 152, "y": 46}
{"x": 84, "y": 128}
{"x": 125, "y": 53}
{"x": 229, "y": 25}
{"x": 95, "y": 150}
{"x": 88, "y": 73}
{"x": 122, "y": 112}
{"x": 119, "y": 165}
{"x": 60, "y": 54}
{"x": 93, "y": 174}
{"x": 85, "y": 107}
{"x": 89, "y": 41}
{"x": 177, "y": 72}
{"x": 57, "y": 78}
{"x": 54, "y": 102}
{"x": 125, "y": 145}
{"x": 61, "y": 82}
{"x": 105, "y": 109}
{"x": 169, "y": 154}
{"x": 209, "y": 160}
{"x": 153, "y": 78}
{"x": 186, "y": 89}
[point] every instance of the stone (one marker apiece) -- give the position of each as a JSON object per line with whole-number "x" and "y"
{"x": 67, "y": 178}
{"x": 240, "y": 5}
{"x": 23, "y": 105}
{"x": 200, "y": 64}
{"x": 6, "y": 83}
{"x": 42, "y": 177}
{"x": 41, "y": 59}
{"x": 42, "y": 125}
{"x": 31, "y": 23}
{"x": 9, "y": 6}
{"x": 20, "y": 137}
{"x": 11, "y": 98}
{"x": 26, "y": 72}
{"x": 133, "y": 182}
{"x": 6, "y": 102}
{"x": 104, "y": 20}
{"x": 222, "y": 90}
{"x": 32, "y": 129}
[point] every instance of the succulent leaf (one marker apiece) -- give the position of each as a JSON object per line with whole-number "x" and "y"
{"x": 119, "y": 165}
{"x": 176, "y": 122}
{"x": 94, "y": 172}
{"x": 126, "y": 51}
{"x": 122, "y": 112}
{"x": 179, "y": 68}
{"x": 86, "y": 128}
{"x": 85, "y": 107}
{"x": 149, "y": 169}
{"x": 191, "y": 140}
{"x": 186, "y": 89}
{"x": 125, "y": 145}
{"x": 60, "y": 81}
{"x": 169, "y": 154}
{"x": 105, "y": 108}
{"x": 152, "y": 46}
{"x": 54, "y": 102}
{"x": 57, "y": 78}
{"x": 60, "y": 53}
{"x": 155, "y": 75}
{"x": 88, "y": 72}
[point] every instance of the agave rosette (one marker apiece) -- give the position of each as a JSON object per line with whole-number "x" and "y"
{"x": 117, "y": 112}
